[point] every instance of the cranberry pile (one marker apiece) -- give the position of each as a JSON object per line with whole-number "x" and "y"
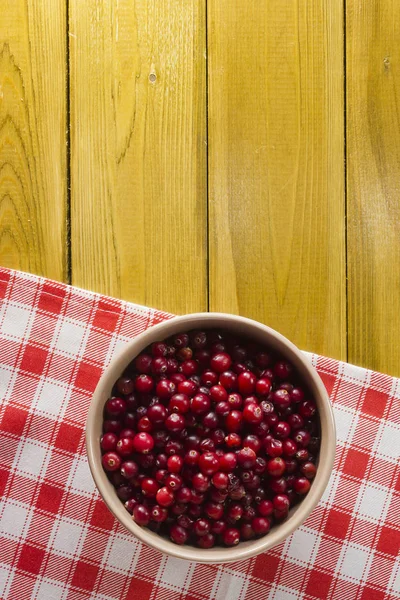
{"x": 210, "y": 438}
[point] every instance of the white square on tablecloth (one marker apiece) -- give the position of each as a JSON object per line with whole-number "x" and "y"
{"x": 355, "y": 374}
{"x": 32, "y": 457}
{"x": 122, "y": 554}
{"x": 7, "y": 378}
{"x": 387, "y": 443}
{"x": 70, "y": 337}
{"x": 175, "y": 572}
{"x": 67, "y": 536}
{"x": 282, "y": 592}
{"x": 80, "y": 479}
{"x": 354, "y": 562}
{"x": 48, "y": 589}
{"x": 6, "y": 577}
{"x": 346, "y": 421}
{"x": 229, "y": 585}
{"x": 15, "y": 520}
{"x": 373, "y": 502}
{"x": 303, "y": 545}
{"x": 17, "y": 321}
{"x": 51, "y": 398}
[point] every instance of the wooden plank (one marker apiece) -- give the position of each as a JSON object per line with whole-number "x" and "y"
{"x": 138, "y": 133}
{"x": 33, "y": 137}
{"x": 373, "y": 139}
{"x": 276, "y": 167}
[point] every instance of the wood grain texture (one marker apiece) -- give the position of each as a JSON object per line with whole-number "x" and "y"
{"x": 276, "y": 167}
{"x": 138, "y": 147}
{"x": 33, "y": 137}
{"x": 373, "y": 192}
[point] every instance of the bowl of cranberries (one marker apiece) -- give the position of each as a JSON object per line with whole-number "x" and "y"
{"x": 211, "y": 437}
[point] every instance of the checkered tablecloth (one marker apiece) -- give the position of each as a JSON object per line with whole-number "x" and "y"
{"x": 57, "y": 539}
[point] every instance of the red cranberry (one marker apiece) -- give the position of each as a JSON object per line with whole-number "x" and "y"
{"x": 207, "y": 445}
{"x": 228, "y": 462}
{"x": 281, "y": 399}
{"x": 129, "y": 469}
{"x": 201, "y": 527}
{"x": 174, "y": 481}
{"x": 141, "y": 515}
{"x": 200, "y": 403}
{"x": 235, "y": 401}
{"x": 218, "y": 527}
{"x": 172, "y": 366}
{"x": 159, "y": 349}
{"x": 282, "y": 430}
{"x": 222, "y": 409}
{"x": 191, "y": 457}
{"x": 239, "y": 353}
{"x": 208, "y": 463}
{"x": 289, "y": 447}
{"x": 302, "y": 438}
{"x": 246, "y": 531}
{"x": 273, "y": 447}
{"x": 115, "y": 407}
{"x": 283, "y": 370}
{"x": 231, "y": 536}
{"x": 210, "y": 420}
{"x": 143, "y": 363}
{"x": 111, "y": 461}
{"x": 278, "y": 485}
{"x": 247, "y": 383}
{"x": 112, "y": 426}
{"x": 125, "y": 446}
{"x": 173, "y": 447}
{"x": 179, "y": 403}
{"x": 142, "y": 442}
{"x": 261, "y": 525}
{"x": 149, "y": 486}
{"x": 281, "y": 502}
{"x": 160, "y": 438}
{"x": 239, "y": 368}
{"x": 261, "y": 430}
{"x": 181, "y": 340}
{"x": 260, "y": 466}
{"x": 308, "y": 469}
{"x": 184, "y": 354}
{"x": 220, "y": 480}
{"x": 209, "y": 378}
{"x": 302, "y": 455}
{"x": 197, "y": 497}
{"x": 233, "y": 440}
{"x": 228, "y": 379}
{"x": 189, "y": 367}
{"x": 214, "y": 510}
{"x": 233, "y": 421}
{"x": 220, "y": 362}
{"x": 265, "y": 508}
{"x": 195, "y": 510}
{"x": 291, "y": 465}
{"x": 272, "y": 419}
{"x": 159, "y": 366}
{"x": 200, "y": 482}
{"x": 218, "y": 436}
{"x": 144, "y": 384}
{"x": 237, "y": 493}
{"x": 178, "y": 534}
{"x": 177, "y": 378}
{"x": 183, "y": 495}
{"x": 158, "y": 513}
{"x": 108, "y": 442}
{"x": 307, "y": 409}
{"x": 165, "y": 389}
{"x": 252, "y": 413}
{"x": 156, "y": 413}
{"x": 161, "y": 475}
{"x": 203, "y": 358}
{"x": 301, "y": 485}
{"x": 246, "y": 458}
{"x": 185, "y": 521}
{"x": 165, "y": 496}
{"x": 125, "y": 385}
{"x": 297, "y": 395}
{"x": 174, "y": 463}
{"x": 175, "y": 422}
{"x": 144, "y": 424}
{"x": 187, "y": 388}
{"x": 263, "y": 386}
{"x": 235, "y": 512}
{"x": 130, "y": 505}
{"x": 206, "y": 541}
{"x": 276, "y": 467}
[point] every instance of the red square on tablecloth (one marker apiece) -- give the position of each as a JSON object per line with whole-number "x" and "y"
{"x": 85, "y": 575}
{"x": 34, "y": 359}
{"x": 374, "y": 403}
{"x": 337, "y": 523}
{"x": 30, "y": 559}
{"x": 87, "y": 377}
{"x": 389, "y": 541}
{"x": 4, "y": 473}
{"x": 369, "y": 593}
{"x": 106, "y": 316}
{"x": 101, "y": 516}
{"x": 318, "y": 584}
{"x": 266, "y": 567}
{"x": 51, "y": 298}
{"x": 356, "y": 463}
{"x": 141, "y": 589}
{"x": 69, "y": 437}
{"x": 49, "y": 498}
{"x": 13, "y": 420}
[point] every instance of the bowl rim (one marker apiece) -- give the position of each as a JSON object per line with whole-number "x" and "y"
{"x": 243, "y": 550}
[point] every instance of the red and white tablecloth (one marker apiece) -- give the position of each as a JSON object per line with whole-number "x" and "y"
{"x": 57, "y": 539}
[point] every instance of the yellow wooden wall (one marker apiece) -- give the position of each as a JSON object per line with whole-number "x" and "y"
{"x": 211, "y": 155}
